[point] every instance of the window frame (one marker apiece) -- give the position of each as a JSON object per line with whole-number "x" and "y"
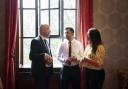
{"x": 38, "y": 22}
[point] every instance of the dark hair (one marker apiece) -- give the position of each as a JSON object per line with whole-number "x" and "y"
{"x": 95, "y": 38}
{"x": 70, "y": 29}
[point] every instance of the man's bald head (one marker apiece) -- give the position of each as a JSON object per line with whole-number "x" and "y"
{"x": 44, "y": 30}
{"x": 44, "y": 26}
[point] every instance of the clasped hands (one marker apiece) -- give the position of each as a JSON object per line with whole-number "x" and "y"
{"x": 48, "y": 58}
{"x": 70, "y": 59}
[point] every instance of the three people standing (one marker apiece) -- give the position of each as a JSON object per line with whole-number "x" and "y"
{"x": 72, "y": 56}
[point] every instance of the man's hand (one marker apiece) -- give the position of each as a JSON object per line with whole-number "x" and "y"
{"x": 73, "y": 58}
{"x": 68, "y": 61}
{"x": 48, "y": 58}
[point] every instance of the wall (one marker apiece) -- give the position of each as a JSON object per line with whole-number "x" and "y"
{"x": 2, "y": 40}
{"x": 111, "y": 18}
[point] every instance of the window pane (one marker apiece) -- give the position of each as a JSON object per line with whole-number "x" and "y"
{"x": 45, "y": 17}
{"x": 26, "y": 50}
{"x": 54, "y": 22}
{"x": 70, "y": 4}
{"x": 69, "y": 19}
{"x": 54, "y": 3}
{"x": 29, "y": 23}
{"x": 28, "y": 3}
{"x": 54, "y": 48}
{"x": 44, "y": 4}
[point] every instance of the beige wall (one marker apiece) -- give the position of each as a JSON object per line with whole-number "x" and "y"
{"x": 111, "y": 18}
{"x": 2, "y": 32}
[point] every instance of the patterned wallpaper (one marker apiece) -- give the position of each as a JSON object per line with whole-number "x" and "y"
{"x": 111, "y": 18}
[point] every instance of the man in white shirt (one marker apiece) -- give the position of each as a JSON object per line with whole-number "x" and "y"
{"x": 70, "y": 53}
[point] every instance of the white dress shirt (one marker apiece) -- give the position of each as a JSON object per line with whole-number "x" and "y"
{"x": 77, "y": 51}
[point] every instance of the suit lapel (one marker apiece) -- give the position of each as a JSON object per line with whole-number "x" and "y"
{"x": 44, "y": 45}
{"x": 41, "y": 42}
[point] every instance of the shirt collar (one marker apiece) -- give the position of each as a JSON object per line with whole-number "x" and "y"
{"x": 71, "y": 40}
{"x": 43, "y": 38}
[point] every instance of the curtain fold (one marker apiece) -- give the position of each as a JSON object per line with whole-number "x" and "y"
{"x": 85, "y": 21}
{"x": 1, "y": 84}
{"x": 11, "y": 16}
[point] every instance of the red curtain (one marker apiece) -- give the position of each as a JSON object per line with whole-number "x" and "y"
{"x": 11, "y": 15}
{"x": 85, "y": 21}
{"x": 1, "y": 85}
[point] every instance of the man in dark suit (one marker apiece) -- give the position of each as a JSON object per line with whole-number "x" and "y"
{"x": 41, "y": 57}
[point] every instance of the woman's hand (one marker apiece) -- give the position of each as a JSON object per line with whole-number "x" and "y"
{"x": 91, "y": 62}
{"x": 82, "y": 63}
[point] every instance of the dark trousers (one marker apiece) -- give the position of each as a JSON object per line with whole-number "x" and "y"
{"x": 42, "y": 78}
{"x": 41, "y": 81}
{"x": 94, "y": 78}
{"x": 70, "y": 76}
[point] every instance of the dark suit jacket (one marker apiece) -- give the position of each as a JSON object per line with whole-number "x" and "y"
{"x": 37, "y": 51}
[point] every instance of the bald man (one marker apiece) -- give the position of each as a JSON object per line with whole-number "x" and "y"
{"x": 41, "y": 57}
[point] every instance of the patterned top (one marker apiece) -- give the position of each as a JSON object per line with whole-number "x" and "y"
{"x": 98, "y": 57}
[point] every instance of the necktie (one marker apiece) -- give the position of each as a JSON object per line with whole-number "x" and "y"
{"x": 69, "y": 54}
{"x": 49, "y": 52}
{"x": 70, "y": 49}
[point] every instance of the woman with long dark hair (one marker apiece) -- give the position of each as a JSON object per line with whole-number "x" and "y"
{"x": 94, "y": 60}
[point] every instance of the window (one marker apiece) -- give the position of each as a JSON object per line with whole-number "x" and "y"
{"x": 57, "y": 13}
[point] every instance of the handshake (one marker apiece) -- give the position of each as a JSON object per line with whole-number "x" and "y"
{"x": 48, "y": 58}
